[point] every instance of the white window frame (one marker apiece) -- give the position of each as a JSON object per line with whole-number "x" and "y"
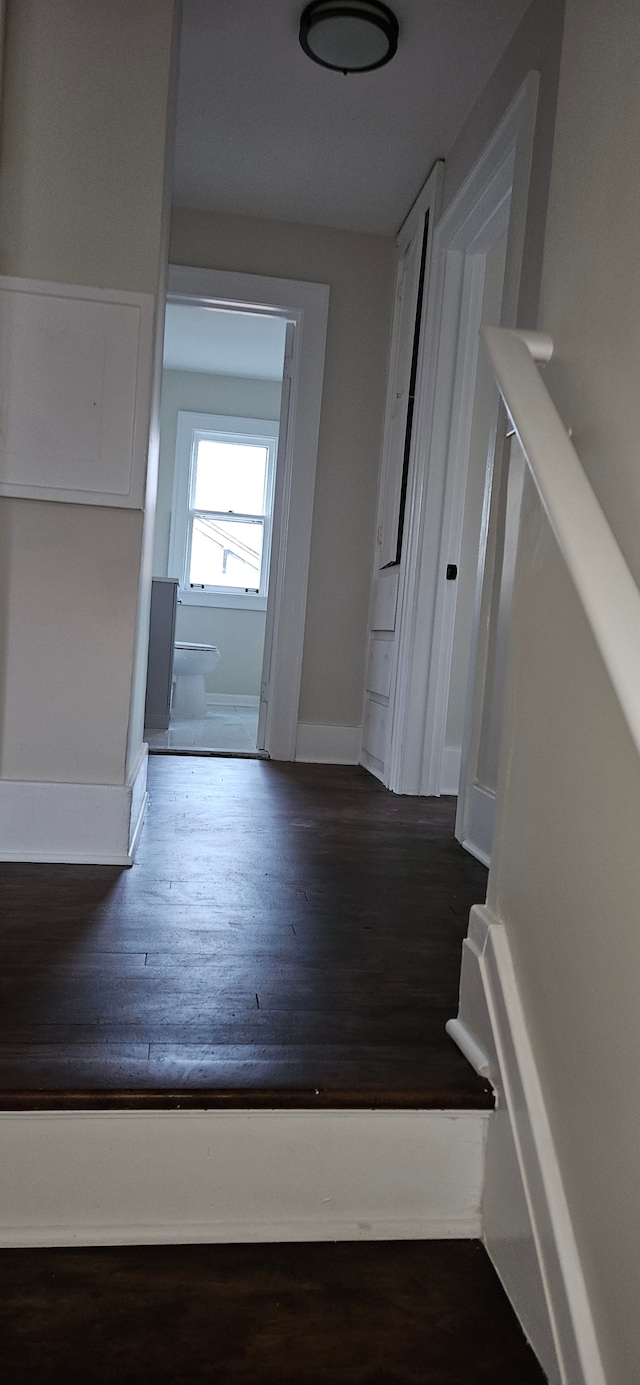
{"x": 192, "y": 427}
{"x": 305, "y": 306}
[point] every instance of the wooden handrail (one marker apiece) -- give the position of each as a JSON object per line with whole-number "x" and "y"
{"x": 606, "y": 588}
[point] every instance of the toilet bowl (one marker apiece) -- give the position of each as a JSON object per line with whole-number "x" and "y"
{"x": 190, "y": 664}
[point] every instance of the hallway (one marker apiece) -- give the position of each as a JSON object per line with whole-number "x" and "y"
{"x": 289, "y": 935}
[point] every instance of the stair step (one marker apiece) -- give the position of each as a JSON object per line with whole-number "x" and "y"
{"x": 136, "y": 1177}
{"x": 349, "y": 1314}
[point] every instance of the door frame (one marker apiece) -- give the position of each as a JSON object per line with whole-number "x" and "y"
{"x": 306, "y": 305}
{"x": 498, "y": 180}
{"x": 388, "y": 579}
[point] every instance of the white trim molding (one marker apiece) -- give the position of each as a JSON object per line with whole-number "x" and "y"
{"x": 328, "y": 745}
{"x": 478, "y": 820}
{"x": 527, "y": 1224}
{"x": 162, "y": 1177}
{"x": 74, "y": 824}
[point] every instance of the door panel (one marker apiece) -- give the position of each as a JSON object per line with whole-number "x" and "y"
{"x": 267, "y": 658}
{"x": 385, "y": 611}
{"x": 380, "y": 667}
{"x": 385, "y": 600}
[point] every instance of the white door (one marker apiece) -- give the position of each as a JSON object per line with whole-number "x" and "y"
{"x": 483, "y": 722}
{"x": 264, "y": 720}
{"x": 414, "y": 242}
{"x": 475, "y": 280}
{"x": 469, "y": 471}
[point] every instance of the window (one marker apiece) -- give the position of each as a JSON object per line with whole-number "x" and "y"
{"x": 222, "y": 509}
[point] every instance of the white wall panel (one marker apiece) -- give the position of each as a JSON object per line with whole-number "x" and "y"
{"x": 75, "y": 386}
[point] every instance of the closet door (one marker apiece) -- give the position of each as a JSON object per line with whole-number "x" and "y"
{"x": 405, "y": 343}
{"x": 413, "y": 249}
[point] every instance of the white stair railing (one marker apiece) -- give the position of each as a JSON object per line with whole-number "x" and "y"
{"x": 605, "y": 586}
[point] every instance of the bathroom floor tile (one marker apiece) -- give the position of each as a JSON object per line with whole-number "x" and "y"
{"x": 223, "y": 728}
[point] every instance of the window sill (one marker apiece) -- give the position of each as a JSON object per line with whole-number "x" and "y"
{"x": 235, "y": 601}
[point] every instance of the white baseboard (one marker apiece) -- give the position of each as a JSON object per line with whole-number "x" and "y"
{"x": 527, "y": 1227}
{"x": 328, "y": 745}
{"x": 450, "y": 769}
{"x": 373, "y": 765}
{"x": 137, "y": 787}
{"x": 233, "y": 700}
{"x": 73, "y": 824}
{"x": 154, "y": 1177}
{"x": 479, "y": 829}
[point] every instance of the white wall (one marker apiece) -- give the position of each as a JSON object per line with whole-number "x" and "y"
{"x": 360, "y": 271}
{"x": 239, "y": 635}
{"x": 567, "y": 883}
{"x": 535, "y": 46}
{"x": 83, "y": 147}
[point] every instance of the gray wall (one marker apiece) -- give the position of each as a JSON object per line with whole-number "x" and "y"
{"x": 239, "y": 635}
{"x": 360, "y": 271}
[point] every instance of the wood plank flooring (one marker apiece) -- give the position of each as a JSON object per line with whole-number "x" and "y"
{"x": 392, "y": 1313}
{"x": 289, "y": 934}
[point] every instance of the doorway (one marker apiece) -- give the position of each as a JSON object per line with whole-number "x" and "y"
{"x": 242, "y": 383}
{"x": 221, "y": 402}
{"x": 455, "y": 472}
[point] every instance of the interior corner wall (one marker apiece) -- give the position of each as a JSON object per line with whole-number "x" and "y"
{"x": 568, "y": 879}
{"x": 238, "y": 634}
{"x": 82, "y": 151}
{"x": 535, "y": 46}
{"x": 360, "y": 270}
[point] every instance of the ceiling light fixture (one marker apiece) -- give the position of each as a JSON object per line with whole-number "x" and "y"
{"x": 349, "y": 35}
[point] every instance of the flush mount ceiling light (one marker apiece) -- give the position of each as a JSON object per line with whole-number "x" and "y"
{"x": 349, "y": 35}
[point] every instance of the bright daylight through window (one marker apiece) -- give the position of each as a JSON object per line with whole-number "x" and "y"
{"x": 227, "y": 515}
{"x": 222, "y": 514}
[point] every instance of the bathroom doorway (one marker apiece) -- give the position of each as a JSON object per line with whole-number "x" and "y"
{"x": 237, "y": 390}
{"x": 219, "y": 427}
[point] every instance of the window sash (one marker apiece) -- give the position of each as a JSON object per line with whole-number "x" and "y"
{"x": 193, "y": 429}
{"x": 223, "y": 515}
{"x": 235, "y": 439}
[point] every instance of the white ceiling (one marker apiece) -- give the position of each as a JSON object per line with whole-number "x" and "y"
{"x": 223, "y": 343}
{"x": 263, "y": 131}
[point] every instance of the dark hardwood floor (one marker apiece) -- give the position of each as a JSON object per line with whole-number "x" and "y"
{"x": 389, "y": 1313}
{"x": 289, "y": 934}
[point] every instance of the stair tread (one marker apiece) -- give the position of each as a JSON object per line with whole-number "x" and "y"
{"x": 376, "y": 1313}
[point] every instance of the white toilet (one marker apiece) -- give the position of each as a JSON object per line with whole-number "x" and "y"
{"x": 190, "y": 664}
